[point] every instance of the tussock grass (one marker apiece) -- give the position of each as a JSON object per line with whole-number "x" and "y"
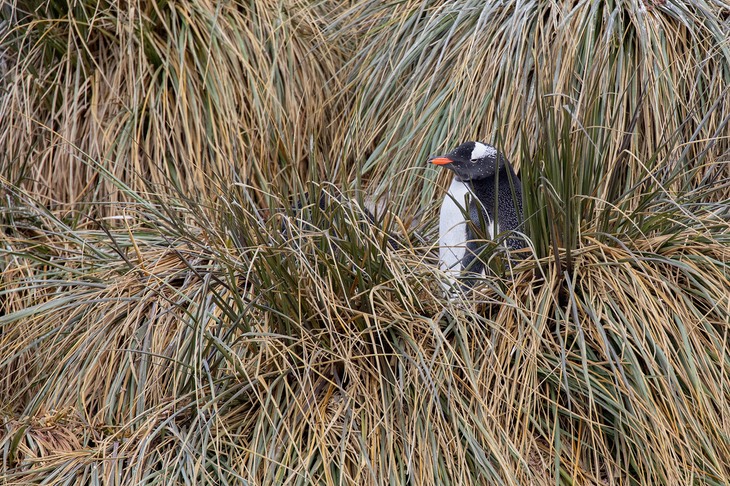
{"x": 192, "y": 92}
{"x": 431, "y": 75}
{"x": 192, "y": 290}
{"x": 300, "y": 347}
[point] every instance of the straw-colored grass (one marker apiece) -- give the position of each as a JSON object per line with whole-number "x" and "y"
{"x": 197, "y": 93}
{"x": 192, "y": 291}
{"x": 322, "y": 355}
{"x": 652, "y": 81}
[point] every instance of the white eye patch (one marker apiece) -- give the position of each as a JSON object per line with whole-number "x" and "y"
{"x": 480, "y": 151}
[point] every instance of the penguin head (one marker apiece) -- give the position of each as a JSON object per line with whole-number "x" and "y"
{"x": 471, "y": 161}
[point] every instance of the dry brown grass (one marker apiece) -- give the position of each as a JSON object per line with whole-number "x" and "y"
{"x": 175, "y": 307}
{"x": 431, "y": 75}
{"x": 186, "y": 94}
{"x": 147, "y": 359}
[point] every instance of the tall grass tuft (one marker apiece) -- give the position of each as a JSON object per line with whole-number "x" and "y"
{"x": 640, "y": 78}
{"x": 296, "y": 343}
{"x": 194, "y": 92}
{"x": 192, "y": 290}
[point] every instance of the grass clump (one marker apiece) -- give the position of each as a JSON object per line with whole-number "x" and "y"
{"x": 193, "y": 290}
{"x": 642, "y": 77}
{"x": 191, "y": 92}
{"x": 298, "y": 346}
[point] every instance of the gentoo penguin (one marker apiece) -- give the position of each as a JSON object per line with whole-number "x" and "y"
{"x": 484, "y": 186}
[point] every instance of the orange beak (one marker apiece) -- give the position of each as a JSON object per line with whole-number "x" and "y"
{"x": 441, "y": 160}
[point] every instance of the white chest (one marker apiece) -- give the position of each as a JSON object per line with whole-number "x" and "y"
{"x": 452, "y": 227}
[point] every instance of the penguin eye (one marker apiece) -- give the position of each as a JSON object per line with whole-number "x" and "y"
{"x": 474, "y": 161}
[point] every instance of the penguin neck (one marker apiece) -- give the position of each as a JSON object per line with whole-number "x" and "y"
{"x": 460, "y": 186}
{"x": 472, "y": 184}
{"x": 485, "y": 191}
{"x": 504, "y": 175}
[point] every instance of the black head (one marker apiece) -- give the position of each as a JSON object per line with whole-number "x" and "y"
{"x": 472, "y": 161}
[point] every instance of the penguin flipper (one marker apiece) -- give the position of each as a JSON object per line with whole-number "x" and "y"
{"x": 471, "y": 264}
